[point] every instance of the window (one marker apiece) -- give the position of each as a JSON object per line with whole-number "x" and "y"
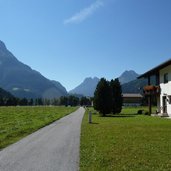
{"x": 166, "y": 78}
{"x": 169, "y": 99}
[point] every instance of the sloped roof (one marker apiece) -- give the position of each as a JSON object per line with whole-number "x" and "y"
{"x": 156, "y": 69}
{"x": 132, "y": 95}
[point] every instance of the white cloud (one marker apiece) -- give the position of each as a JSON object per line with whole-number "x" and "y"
{"x": 84, "y": 13}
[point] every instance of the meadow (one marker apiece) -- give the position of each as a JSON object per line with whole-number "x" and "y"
{"x": 18, "y": 122}
{"x": 125, "y": 142}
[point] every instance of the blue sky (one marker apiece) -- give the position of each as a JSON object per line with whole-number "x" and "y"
{"x": 68, "y": 40}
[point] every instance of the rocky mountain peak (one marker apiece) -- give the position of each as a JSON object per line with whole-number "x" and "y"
{"x": 2, "y": 45}
{"x": 127, "y": 76}
{"x": 22, "y": 81}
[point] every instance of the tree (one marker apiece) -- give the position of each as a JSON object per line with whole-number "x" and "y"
{"x": 31, "y": 102}
{"x": 73, "y": 101}
{"x": 84, "y": 101}
{"x": 38, "y": 102}
{"x": 117, "y": 99}
{"x": 55, "y": 102}
{"x": 103, "y": 97}
{"x": 1, "y": 101}
{"x": 9, "y": 102}
{"x": 23, "y": 102}
{"x": 64, "y": 100}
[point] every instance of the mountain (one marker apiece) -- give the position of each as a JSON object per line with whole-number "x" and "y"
{"x": 130, "y": 83}
{"x": 60, "y": 87}
{"x": 128, "y": 76}
{"x": 22, "y": 81}
{"x": 135, "y": 86}
{"x": 5, "y": 94}
{"x": 87, "y": 87}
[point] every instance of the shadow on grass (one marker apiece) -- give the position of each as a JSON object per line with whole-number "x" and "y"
{"x": 120, "y": 116}
{"x": 94, "y": 123}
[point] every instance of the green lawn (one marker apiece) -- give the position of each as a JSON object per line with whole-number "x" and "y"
{"x": 126, "y": 142}
{"x": 17, "y": 122}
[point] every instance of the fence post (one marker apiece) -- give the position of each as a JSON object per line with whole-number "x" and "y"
{"x": 90, "y": 117}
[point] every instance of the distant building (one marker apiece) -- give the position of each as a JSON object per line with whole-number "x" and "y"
{"x": 162, "y": 88}
{"x": 132, "y": 99}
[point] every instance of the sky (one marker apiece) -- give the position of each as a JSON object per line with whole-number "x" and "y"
{"x": 69, "y": 40}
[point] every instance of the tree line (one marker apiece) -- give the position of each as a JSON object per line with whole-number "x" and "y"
{"x": 64, "y": 100}
{"x": 108, "y": 97}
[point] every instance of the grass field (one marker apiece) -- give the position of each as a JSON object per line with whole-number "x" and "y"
{"x": 126, "y": 142}
{"x": 17, "y": 122}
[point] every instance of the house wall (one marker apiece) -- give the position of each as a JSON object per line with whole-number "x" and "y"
{"x": 165, "y": 89}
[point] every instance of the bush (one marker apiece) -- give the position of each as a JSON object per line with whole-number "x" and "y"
{"x": 146, "y": 112}
{"x": 140, "y": 111}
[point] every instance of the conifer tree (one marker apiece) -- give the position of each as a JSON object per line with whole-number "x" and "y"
{"x": 103, "y": 97}
{"x": 116, "y": 96}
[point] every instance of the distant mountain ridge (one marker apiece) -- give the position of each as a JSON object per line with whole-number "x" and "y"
{"x": 5, "y": 94}
{"x": 60, "y": 87}
{"x": 87, "y": 87}
{"x": 127, "y": 80}
{"x": 128, "y": 76}
{"x": 135, "y": 86}
{"x": 22, "y": 81}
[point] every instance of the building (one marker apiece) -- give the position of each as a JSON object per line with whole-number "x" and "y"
{"x": 162, "y": 88}
{"x": 132, "y": 99}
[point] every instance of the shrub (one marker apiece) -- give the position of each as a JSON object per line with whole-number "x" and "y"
{"x": 140, "y": 111}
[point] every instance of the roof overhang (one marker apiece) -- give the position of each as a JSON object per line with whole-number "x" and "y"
{"x": 155, "y": 70}
{"x": 131, "y": 95}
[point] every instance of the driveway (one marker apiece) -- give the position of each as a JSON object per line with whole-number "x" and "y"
{"x": 52, "y": 148}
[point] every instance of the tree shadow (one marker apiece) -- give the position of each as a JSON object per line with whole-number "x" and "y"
{"x": 120, "y": 116}
{"x": 94, "y": 123}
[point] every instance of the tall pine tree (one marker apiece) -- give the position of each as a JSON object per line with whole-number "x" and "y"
{"x": 116, "y": 96}
{"x": 103, "y": 97}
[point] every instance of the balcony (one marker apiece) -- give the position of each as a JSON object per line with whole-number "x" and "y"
{"x": 152, "y": 90}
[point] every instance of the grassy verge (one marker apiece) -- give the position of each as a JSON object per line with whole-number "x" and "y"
{"x": 17, "y": 122}
{"x": 125, "y": 142}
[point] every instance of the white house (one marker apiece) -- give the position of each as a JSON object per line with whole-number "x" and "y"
{"x": 162, "y": 88}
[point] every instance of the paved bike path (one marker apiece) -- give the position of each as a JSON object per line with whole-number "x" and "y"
{"x": 52, "y": 148}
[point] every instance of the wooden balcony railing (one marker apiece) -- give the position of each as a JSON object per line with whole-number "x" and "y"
{"x": 152, "y": 90}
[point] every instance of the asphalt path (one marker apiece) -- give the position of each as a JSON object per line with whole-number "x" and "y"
{"x": 52, "y": 148}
